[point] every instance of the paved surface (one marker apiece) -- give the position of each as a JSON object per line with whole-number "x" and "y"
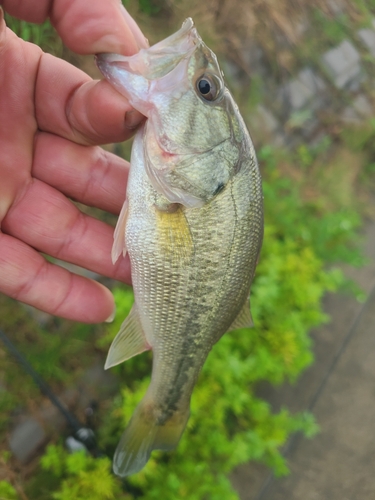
{"x": 339, "y": 463}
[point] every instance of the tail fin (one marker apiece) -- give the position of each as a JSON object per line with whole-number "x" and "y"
{"x": 143, "y": 435}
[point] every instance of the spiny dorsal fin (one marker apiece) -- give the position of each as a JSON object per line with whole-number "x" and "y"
{"x": 243, "y": 319}
{"x": 119, "y": 245}
{"x": 129, "y": 341}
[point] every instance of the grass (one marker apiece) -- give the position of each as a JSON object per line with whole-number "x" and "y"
{"x": 43, "y": 35}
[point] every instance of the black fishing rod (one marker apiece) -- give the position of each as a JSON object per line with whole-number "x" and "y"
{"x": 81, "y": 433}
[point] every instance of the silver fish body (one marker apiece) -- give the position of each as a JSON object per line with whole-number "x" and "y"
{"x": 192, "y": 225}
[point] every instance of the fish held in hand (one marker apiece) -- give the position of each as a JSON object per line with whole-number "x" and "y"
{"x": 192, "y": 224}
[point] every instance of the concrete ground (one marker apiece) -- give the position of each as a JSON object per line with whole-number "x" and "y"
{"x": 339, "y": 462}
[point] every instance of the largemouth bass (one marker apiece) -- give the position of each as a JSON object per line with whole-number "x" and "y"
{"x": 192, "y": 224}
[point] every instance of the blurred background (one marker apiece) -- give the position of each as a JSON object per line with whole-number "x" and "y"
{"x": 282, "y": 411}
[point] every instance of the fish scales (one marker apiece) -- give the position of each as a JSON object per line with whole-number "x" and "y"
{"x": 192, "y": 225}
{"x": 200, "y": 303}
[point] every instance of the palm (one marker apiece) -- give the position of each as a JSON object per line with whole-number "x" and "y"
{"x": 52, "y": 115}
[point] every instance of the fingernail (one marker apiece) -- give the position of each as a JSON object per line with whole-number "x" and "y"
{"x": 111, "y": 317}
{"x": 135, "y": 29}
{"x": 133, "y": 118}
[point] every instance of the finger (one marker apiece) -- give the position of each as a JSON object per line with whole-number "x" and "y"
{"x": 70, "y": 104}
{"x": 26, "y": 276}
{"x": 34, "y": 12}
{"x": 87, "y": 174}
{"x": 135, "y": 29}
{"x": 18, "y": 68}
{"x": 85, "y": 28}
{"x": 46, "y": 220}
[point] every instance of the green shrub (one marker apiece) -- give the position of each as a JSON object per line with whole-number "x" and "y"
{"x": 7, "y": 492}
{"x": 43, "y": 34}
{"x": 81, "y": 476}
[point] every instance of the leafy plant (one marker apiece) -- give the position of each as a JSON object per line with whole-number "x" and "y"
{"x": 149, "y": 7}
{"x": 81, "y": 476}
{"x": 43, "y": 34}
{"x": 7, "y": 492}
{"x": 334, "y": 30}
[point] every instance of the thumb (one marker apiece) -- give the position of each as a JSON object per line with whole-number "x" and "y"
{"x": 96, "y": 27}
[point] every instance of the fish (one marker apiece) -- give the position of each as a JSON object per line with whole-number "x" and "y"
{"x": 192, "y": 224}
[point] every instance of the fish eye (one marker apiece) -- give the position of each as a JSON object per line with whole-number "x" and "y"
{"x": 209, "y": 87}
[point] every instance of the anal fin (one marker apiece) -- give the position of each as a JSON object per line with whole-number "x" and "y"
{"x": 129, "y": 341}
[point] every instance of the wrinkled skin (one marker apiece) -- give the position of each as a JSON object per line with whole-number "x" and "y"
{"x": 52, "y": 118}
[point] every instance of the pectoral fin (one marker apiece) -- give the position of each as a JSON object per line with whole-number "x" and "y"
{"x": 119, "y": 245}
{"x": 129, "y": 341}
{"x": 243, "y": 319}
{"x": 174, "y": 235}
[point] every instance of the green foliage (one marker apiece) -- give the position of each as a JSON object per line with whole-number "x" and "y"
{"x": 366, "y": 8}
{"x": 324, "y": 32}
{"x": 360, "y": 137}
{"x": 81, "y": 476}
{"x": 43, "y": 35}
{"x": 304, "y": 155}
{"x": 7, "y": 492}
{"x": 51, "y": 348}
{"x": 8, "y": 402}
{"x": 334, "y": 30}
{"x": 256, "y": 91}
{"x": 368, "y": 174}
{"x": 361, "y": 140}
{"x": 331, "y": 235}
{"x": 149, "y": 7}
{"x": 299, "y": 118}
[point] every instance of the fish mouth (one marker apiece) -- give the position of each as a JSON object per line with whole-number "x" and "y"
{"x": 156, "y": 61}
{"x": 137, "y": 77}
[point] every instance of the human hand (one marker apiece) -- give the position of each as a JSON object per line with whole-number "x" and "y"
{"x": 52, "y": 118}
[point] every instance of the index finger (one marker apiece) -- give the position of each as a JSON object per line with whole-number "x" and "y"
{"x": 85, "y": 27}
{"x": 65, "y": 101}
{"x": 69, "y": 104}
